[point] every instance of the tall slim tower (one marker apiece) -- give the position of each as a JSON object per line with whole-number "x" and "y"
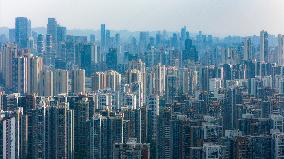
{"x": 40, "y": 44}
{"x": 247, "y": 49}
{"x": 152, "y": 123}
{"x": 49, "y": 54}
{"x": 22, "y": 31}
{"x": 51, "y": 41}
{"x": 52, "y": 30}
{"x": 280, "y": 49}
{"x": 263, "y": 46}
{"x": 103, "y": 35}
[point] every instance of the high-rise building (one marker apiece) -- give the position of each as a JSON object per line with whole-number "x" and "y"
{"x": 190, "y": 53}
{"x": 81, "y": 107}
{"x": 135, "y": 78}
{"x": 11, "y": 135}
{"x": 103, "y": 36}
{"x": 53, "y": 130}
{"x": 277, "y": 145}
{"x": 107, "y": 80}
{"x": 99, "y": 81}
{"x": 164, "y": 134}
{"x": 85, "y": 55}
{"x": 183, "y": 34}
{"x": 52, "y": 31}
{"x": 46, "y": 83}
{"x": 12, "y": 35}
{"x": 103, "y": 100}
{"x": 133, "y": 116}
{"x": 108, "y": 39}
{"x": 131, "y": 149}
{"x": 9, "y": 51}
{"x": 156, "y": 83}
{"x": 70, "y": 52}
{"x": 247, "y": 49}
{"x": 263, "y": 46}
{"x": 105, "y": 131}
{"x": 22, "y": 31}
{"x": 171, "y": 83}
{"x": 212, "y": 151}
{"x": 61, "y": 34}
{"x": 180, "y": 137}
{"x": 20, "y": 74}
{"x": 60, "y": 84}
{"x": 152, "y": 123}
{"x": 129, "y": 101}
{"x": 40, "y": 44}
{"x": 143, "y": 41}
{"x": 92, "y": 38}
{"x": 49, "y": 54}
{"x": 113, "y": 80}
{"x": 35, "y": 65}
{"x": 111, "y": 59}
{"x": 280, "y": 50}
{"x": 78, "y": 81}
{"x": 61, "y": 45}
{"x": 230, "y": 114}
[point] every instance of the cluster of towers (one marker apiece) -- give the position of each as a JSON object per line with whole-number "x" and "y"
{"x": 157, "y": 95}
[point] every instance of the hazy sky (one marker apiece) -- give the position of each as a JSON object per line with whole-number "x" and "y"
{"x": 219, "y": 17}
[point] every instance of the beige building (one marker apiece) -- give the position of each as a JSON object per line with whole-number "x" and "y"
{"x": 35, "y": 66}
{"x": 78, "y": 81}
{"x": 60, "y": 82}
{"x": 107, "y": 80}
{"x": 46, "y": 83}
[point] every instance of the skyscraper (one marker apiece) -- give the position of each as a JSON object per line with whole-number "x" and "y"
{"x": 49, "y": 54}
{"x": 78, "y": 81}
{"x": 111, "y": 59}
{"x": 35, "y": 68}
{"x": 9, "y": 51}
{"x": 131, "y": 149}
{"x": 92, "y": 38}
{"x": 113, "y": 80}
{"x": 46, "y": 83}
{"x": 61, "y": 34}
{"x": 263, "y": 46}
{"x": 22, "y": 31}
{"x": 52, "y": 31}
{"x": 53, "y": 128}
{"x": 190, "y": 53}
{"x": 85, "y": 56}
{"x": 81, "y": 107}
{"x": 40, "y": 44}
{"x": 99, "y": 81}
{"x": 103, "y": 35}
{"x": 10, "y": 134}
{"x": 105, "y": 131}
{"x": 61, "y": 38}
{"x": 20, "y": 74}
{"x": 152, "y": 123}
{"x": 12, "y": 35}
{"x": 280, "y": 49}
{"x": 248, "y": 49}
{"x": 60, "y": 82}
